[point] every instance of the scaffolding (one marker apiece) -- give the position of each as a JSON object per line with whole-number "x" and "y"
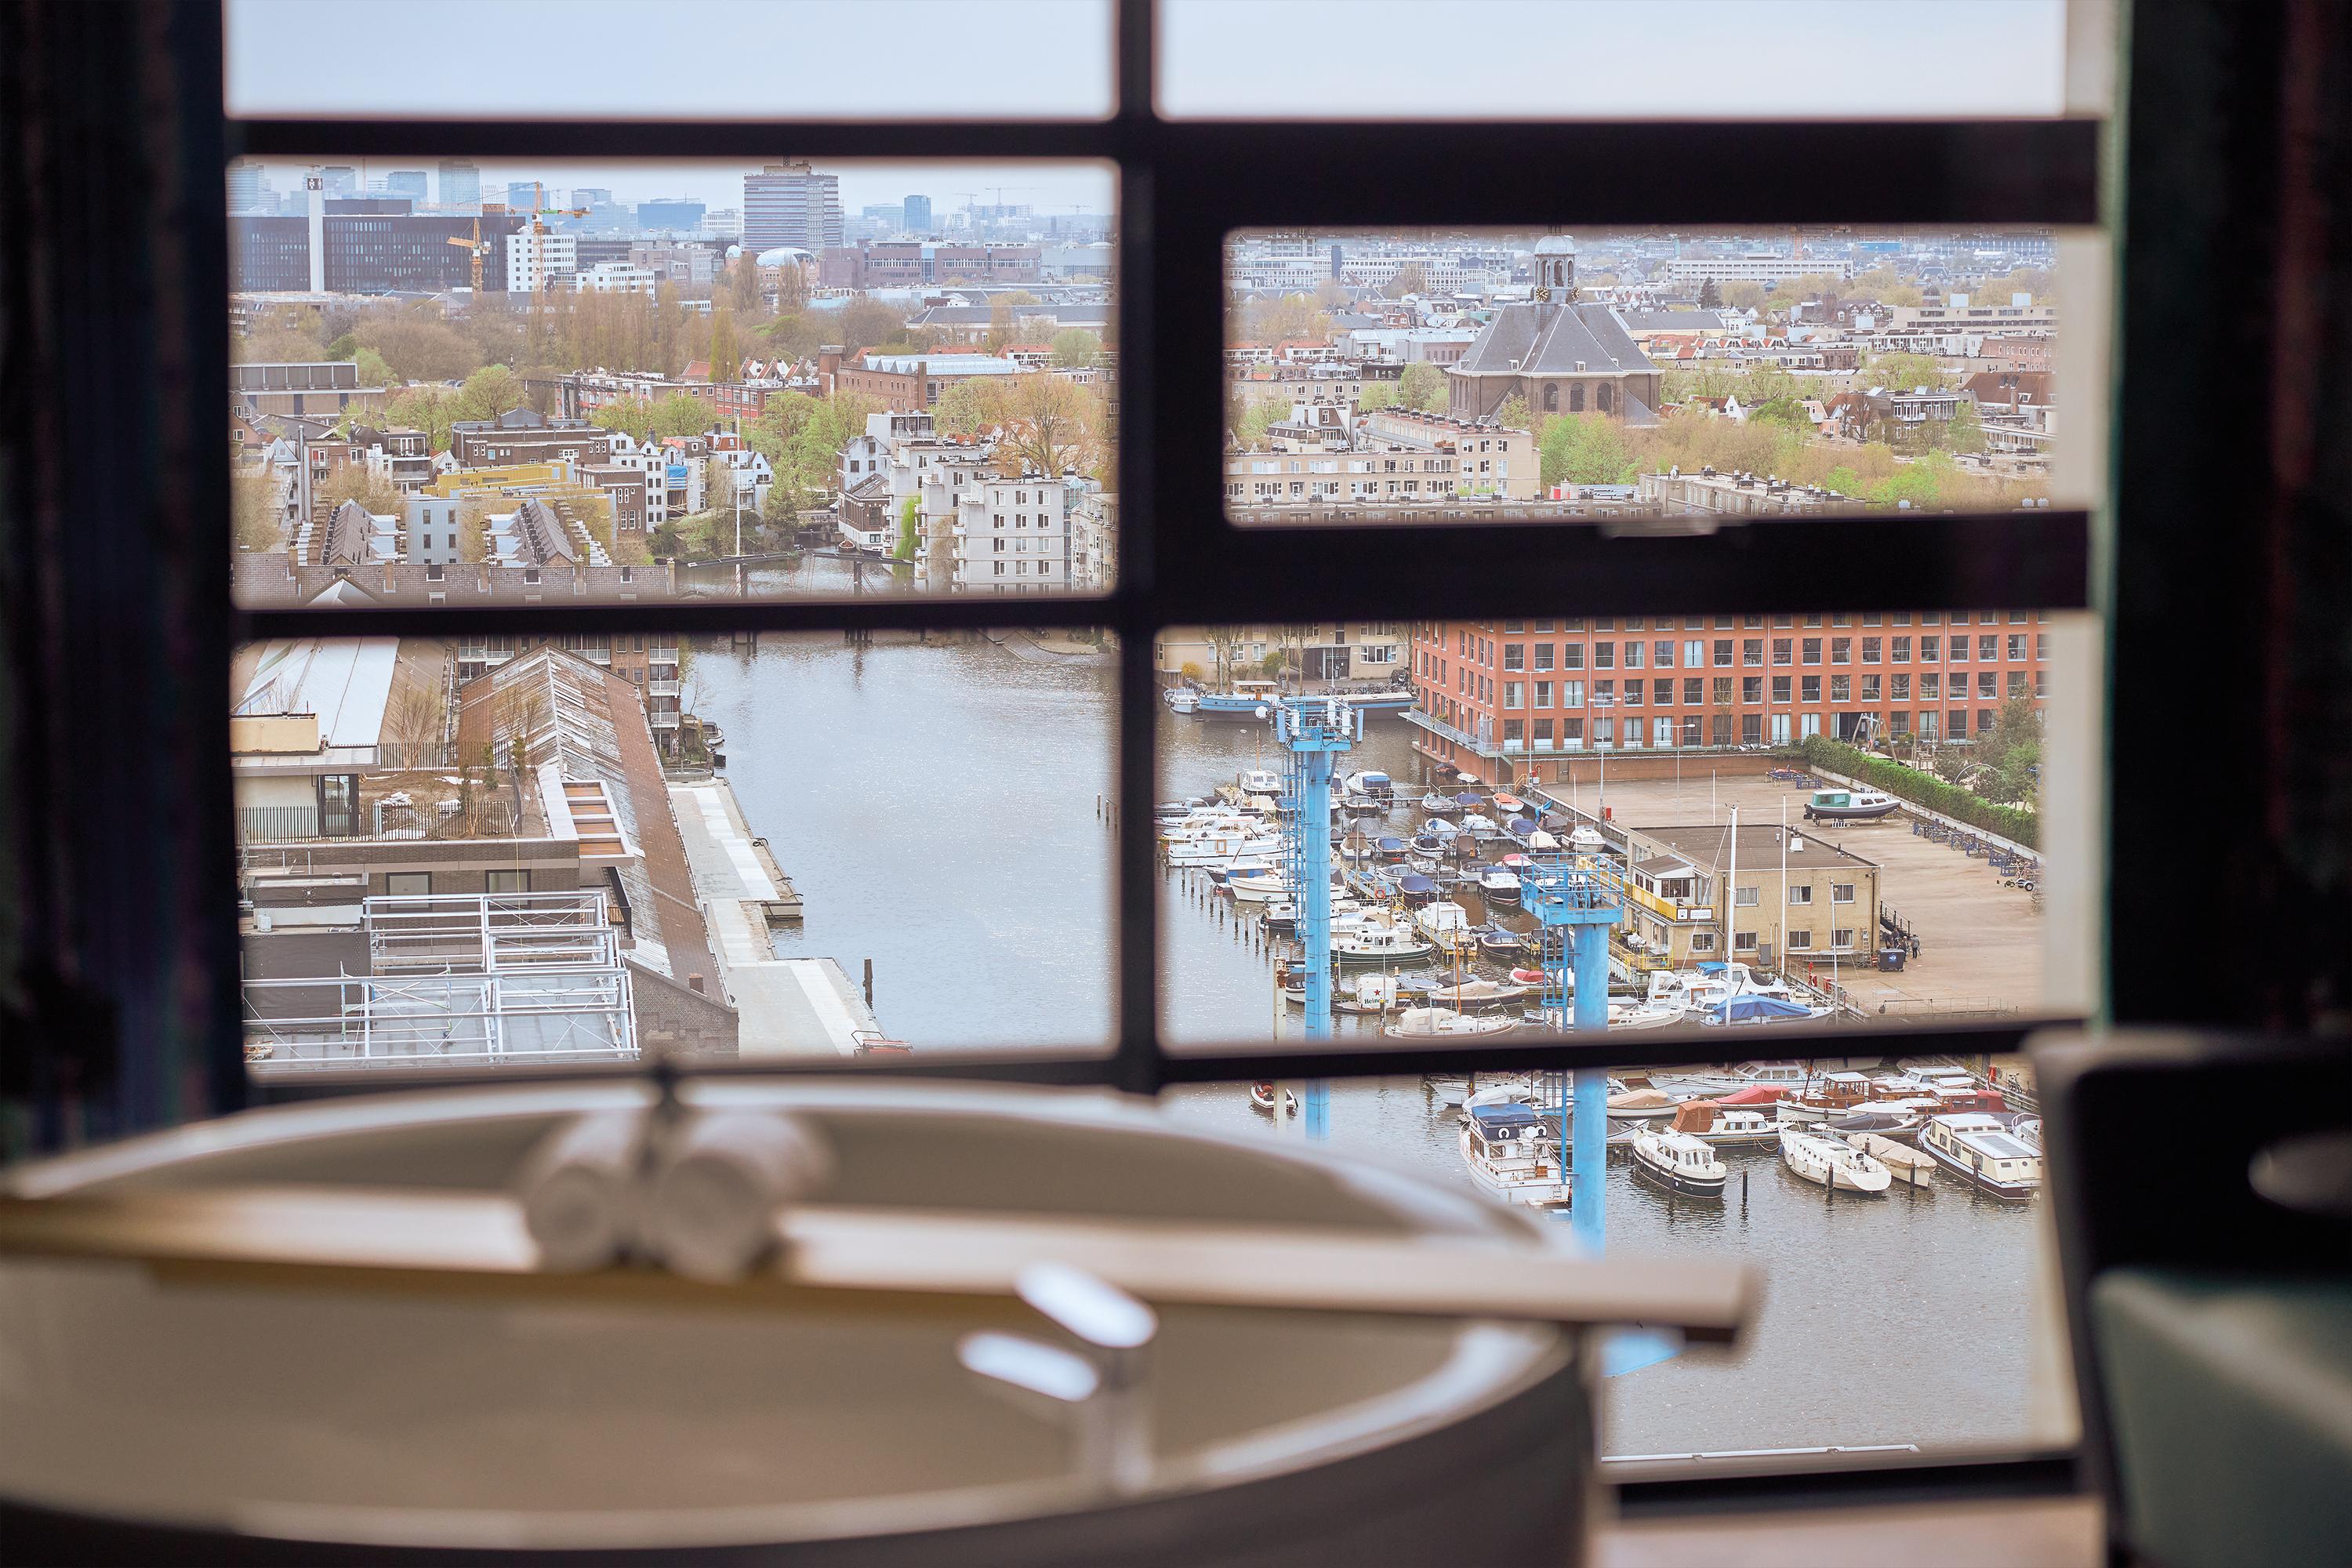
{"x": 475, "y": 979}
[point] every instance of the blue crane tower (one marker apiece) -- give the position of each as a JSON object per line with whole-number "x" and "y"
{"x": 1315, "y": 729}
{"x": 1577, "y": 905}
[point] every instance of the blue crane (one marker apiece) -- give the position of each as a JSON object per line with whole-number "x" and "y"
{"x": 1315, "y": 729}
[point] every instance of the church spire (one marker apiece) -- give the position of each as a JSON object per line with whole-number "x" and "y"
{"x": 1555, "y": 274}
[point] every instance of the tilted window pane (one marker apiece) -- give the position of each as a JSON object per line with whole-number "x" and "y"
{"x": 482, "y": 384}
{"x": 1438, "y": 375}
{"x": 718, "y": 59}
{"x": 522, "y": 849}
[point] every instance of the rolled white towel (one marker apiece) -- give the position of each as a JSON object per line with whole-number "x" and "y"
{"x": 724, "y": 1175}
{"x": 579, "y": 1189}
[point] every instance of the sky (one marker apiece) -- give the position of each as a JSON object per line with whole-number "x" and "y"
{"x": 1053, "y": 188}
{"x": 787, "y": 60}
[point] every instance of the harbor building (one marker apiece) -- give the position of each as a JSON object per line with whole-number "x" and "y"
{"x": 1795, "y": 899}
{"x": 1521, "y": 691}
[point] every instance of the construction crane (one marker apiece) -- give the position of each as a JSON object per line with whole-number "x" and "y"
{"x": 480, "y": 248}
{"x": 476, "y": 248}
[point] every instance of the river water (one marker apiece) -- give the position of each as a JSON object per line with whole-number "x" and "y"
{"x": 935, "y": 804}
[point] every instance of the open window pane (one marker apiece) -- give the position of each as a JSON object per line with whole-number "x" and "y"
{"x": 529, "y": 850}
{"x": 479, "y": 384}
{"x": 1631, "y": 60}
{"x": 746, "y": 60}
{"x": 1429, "y": 375}
{"x": 1792, "y": 822}
{"x": 1917, "y": 1318}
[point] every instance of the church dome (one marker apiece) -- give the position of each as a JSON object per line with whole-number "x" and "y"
{"x": 1555, "y": 245}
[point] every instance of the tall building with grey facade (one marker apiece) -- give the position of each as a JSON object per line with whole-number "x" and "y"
{"x": 461, "y": 183}
{"x": 918, "y": 215}
{"x": 790, "y": 204}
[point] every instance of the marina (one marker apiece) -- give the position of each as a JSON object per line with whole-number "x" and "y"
{"x": 1002, "y": 902}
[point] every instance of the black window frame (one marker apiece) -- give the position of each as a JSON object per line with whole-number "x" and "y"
{"x": 2193, "y": 305}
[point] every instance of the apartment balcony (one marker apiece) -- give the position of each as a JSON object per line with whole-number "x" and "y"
{"x": 660, "y": 655}
{"x": 661, "y": 688}
{"x": 663, "y": 718}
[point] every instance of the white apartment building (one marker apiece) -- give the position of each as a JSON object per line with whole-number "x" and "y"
{"x": 538, "y": 261}
{"x": 1752, "y": 268}
{"x": 1013, "y": 536}
{"x": 870, "y": 452}
{"x": 672, "y": 478}
{"x": 616, "y": 278}
{"x": 1094, "y": 543}
{"x": 752, "y": 475}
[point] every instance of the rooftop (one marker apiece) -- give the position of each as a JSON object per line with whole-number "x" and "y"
{"x": 1707, "y": 846}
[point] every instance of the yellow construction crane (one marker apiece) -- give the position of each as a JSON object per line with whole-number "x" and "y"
{"x": 478, "y": 247}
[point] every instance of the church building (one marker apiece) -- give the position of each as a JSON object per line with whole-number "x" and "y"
{"x": 1563, "y": 357}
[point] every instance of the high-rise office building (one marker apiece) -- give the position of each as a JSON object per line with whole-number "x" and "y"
{"x": 249, "y": 188}
{"x": 340, "y": 180}
{"x": 461, "y": 183}
{"x": 409, "y": 183}
{"x": 790, "y": 204}
{"x": 523, "y": 195}
{"x": 918, "y": 217}
{"x": 669, "y": 215}
{"x": 591, "y": 196}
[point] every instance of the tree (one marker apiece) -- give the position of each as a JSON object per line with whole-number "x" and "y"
{"x": 1052, "y": 424}
{"x": 255, "y": 519}
{"x": 1585, "y": 449}
{"x": 1261, "y": 413}
{"x": 1422, "y": 386}
{"x": 1710, "y": 297}
{"x": 1004, "y": 319}
{"x": 1294, "y": 316}
{"x": 1515, "y": 414}
{"x": 419, "y": 345}
{"x": 373, "y": 370}
{"x": 973, "y": 405}
{"x": 490, "y": 391}
{"x": 1964, "y": 433}
{"x": 1378, "y": 395}
{"x": 680, "y": 413}
{"x": 427, "y": 408}
{"x": 1410, "y": 279}
{"x": 1076, "y": 348}
{"x": 866, "y": 323}
{"x": 355, "y": 482}
{"x": 725, "y": 345}
{"x": 908, "y": 511}
{"x": 1332, "y": 295}
{"x": 1904, "y": 372}
{"x": 633, "y": 416}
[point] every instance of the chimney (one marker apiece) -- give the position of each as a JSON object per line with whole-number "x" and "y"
{"x": 695, "y": 983}
{"x": 828, "y": 365}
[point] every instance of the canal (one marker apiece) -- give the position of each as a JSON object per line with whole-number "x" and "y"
{"x": 935, "y": 803}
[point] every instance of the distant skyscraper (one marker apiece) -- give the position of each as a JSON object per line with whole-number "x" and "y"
{"x": 461, "y": 183}
{"x": 409, "y": 183}
{"x": 788, "y": 203}
{"x": 668, "y": 215}
{"x": 523, "y": 195}
{"x": 918, "y": 215}
{"x": 248, "y": 187}
{"x": 340, "y": 180}
{"x": 591, "y": 196}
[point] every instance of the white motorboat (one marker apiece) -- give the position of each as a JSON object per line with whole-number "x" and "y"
{"x": 1498, "y": 886}
{"x": 1437, "y": 827}
{"x": 1445, "y": 1024}
{"x": 1222, "y": 848}
{"x": 1513, "y": 1155}
{"x": 1679, "y": 1162}
{"x": 1379, "y": 942}
{"x": 1641, "y": 1015}
{"x": 1906, "y": 1166}
{"x": 1849, "y": 805}
{"x": 1258, "y": 885}
{"x": 1981, "y": 1151}
{"x": 1184, "y": 699}
{"x": 1586, "y": 841}
{"x": 1446, "y": 923}
{"x": 1480, "y": 826}
{"x": 1639, "y": 1100}
{"x": 1827, "y": 1162}
{"x": 1726, "y": 1126}
{"x": 1261, "y": 781}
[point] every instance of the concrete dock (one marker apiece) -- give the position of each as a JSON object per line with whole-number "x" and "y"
{"x": 787, "y": 1006}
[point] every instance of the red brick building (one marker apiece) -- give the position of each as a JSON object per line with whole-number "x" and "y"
{"x": 1521, "y": 691}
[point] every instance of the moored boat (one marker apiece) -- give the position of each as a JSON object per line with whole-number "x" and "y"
{"x": 1184, "y": 699}
{"x": 1380, "y": 942}
{"x": 1829, "y": 1163}
{"x": 1983, "y": 1153}
{"x": 1261, "y": 1096}
{"x": 1445, "y": 1023}
{"x": 1906, "y": 1166}
{"x": 1438, "y": 805}
{"x": 1679, "y": 1162}
{"x": 1509, "y": 805}
{"x": 1849, "y": 805}
{"x": 1729, "y": 1128}
{"x": 1477, "y": 996}
{"x": 1512, "y": 1154}
{"x": 1498, "y": 886}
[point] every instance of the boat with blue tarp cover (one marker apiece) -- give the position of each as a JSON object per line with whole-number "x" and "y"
{"x": 1514, "y": 1154}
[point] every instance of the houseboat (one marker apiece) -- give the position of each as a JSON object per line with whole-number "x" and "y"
{"x": 1727, "y": 1127}
{"x": 1512, "y": 1154}
{"x": 1981, "y": 1151}
{"x": 1679, "y": 1162}
{"x": 1849, "y": 805}
{"x": 1243, "y": 700}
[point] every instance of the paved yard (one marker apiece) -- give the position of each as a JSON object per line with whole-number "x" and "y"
{"x": 1981, "y": 941}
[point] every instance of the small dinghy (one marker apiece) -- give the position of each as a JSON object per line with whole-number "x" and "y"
{"x": 1262, "y": 1098}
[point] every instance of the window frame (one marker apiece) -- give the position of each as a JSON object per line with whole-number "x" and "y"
{"x": 1182, "y": 187}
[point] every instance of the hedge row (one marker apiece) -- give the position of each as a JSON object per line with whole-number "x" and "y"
{"x": 2011, "y": 822}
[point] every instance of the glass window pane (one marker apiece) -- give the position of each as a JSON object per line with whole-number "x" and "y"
{"x": 717, "y": 59}
{"x": 526, "y": 849}
{"x": 1868, "y": 851}
{"x": 1322, "y": 59}
{"x": 1429, "y": 376}
{"x": 1920, "y": 1317}
{"x": 481, "y": 383}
